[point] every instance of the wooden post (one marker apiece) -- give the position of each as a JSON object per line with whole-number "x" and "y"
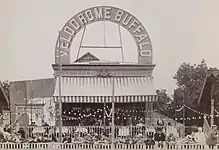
{"x": 212, "y": 104}
{"x": 184, "y": 111}
{"x": 212, "y": 112}
{"x": 145, "y": 116}
{"x": 104, "y": 114}
{"x": 26, "y": 124}
{"x": 113, "y": 112}
{"x": 60, "y": 98}
{"x": 151, "y": 113}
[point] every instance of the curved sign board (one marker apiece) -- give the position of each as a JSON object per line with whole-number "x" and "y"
{"x": 104, "y": 13}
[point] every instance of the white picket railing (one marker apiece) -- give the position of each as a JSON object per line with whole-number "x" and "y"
{"x": 58, "y": 146}
{"x": 120, "y": 131}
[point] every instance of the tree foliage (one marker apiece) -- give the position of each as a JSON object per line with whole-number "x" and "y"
{"x": 6, "y": 88}
{"x": 189, "y": 79}
{"x": 163, "y": 99}
{"x": 163, "y": 103}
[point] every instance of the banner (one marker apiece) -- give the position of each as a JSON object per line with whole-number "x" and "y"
{"x": 210, "y": 134}
{"x": 206, "y": 128}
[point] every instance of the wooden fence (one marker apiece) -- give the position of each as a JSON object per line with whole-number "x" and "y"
{"x": 120, "y": 131}
{"x": 73, "y": 146}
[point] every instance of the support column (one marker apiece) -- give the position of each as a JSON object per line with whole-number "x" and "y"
{"x": 57, "y": 114}
{"x": 212, "y": 104}
{"x": 113, "y": 113}
{"x": 60, "y": 90}
{"x": 212, "y": 112}
{"x": 148, "y": 113}
{"x": 104, "y": 115}
{"x": 1, "y": 113}
{"x": 27, "y": 123}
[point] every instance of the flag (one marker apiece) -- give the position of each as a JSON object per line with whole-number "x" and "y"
{"x": 206, "y": 128}
{"x": 208, "y": 133}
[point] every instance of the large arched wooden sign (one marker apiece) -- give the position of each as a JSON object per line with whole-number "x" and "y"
{"x": 104, "y": 13}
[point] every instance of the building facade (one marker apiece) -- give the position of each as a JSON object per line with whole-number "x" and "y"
{"x": 89, "y": 86}
{"x": 210, "y": 91}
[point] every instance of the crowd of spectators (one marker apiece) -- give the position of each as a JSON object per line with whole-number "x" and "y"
{"x": 159, "y": 135}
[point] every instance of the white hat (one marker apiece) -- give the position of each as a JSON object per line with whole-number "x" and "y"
{"x": 200, "y": 129}
{"x": 189, "y": 137}
{"x": 140, "y": 135}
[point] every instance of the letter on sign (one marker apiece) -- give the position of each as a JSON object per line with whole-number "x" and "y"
{"x": 119, "y": 15}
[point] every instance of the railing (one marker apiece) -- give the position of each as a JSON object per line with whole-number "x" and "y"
{"x": 60, "y": 146}
{"x": 120, "y": 131}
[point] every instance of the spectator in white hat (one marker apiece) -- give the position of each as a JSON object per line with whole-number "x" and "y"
{"x": 171, "y": 129}
{"x": 200, "y": 136}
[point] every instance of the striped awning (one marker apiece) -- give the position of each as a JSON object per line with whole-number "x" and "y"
{"x": 105, "y": 99}
{"x": 100, "y": 90}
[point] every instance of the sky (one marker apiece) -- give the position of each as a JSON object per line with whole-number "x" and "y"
{"x": 182, "y": 30}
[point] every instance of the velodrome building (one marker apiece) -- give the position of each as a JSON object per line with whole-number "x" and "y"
{"x": 89, "y": 86}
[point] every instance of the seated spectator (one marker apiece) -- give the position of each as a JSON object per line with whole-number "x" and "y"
{"x": 150, "y": 141}
{"x": 141, "y": 123}
{"x": 140, "y": 127}
{"x": 2, "y": 137}
{"x": 159, "y": 138}
{"x": 36, "y": 139}
{"x": 140, "y": 139}
{"x": 53, "y": 138}
{"x": 214, "y": 134}
{"x": 170, "y": 129}
{"x": 104, "y": 138}
{"x": 7, "y": 128}
{"x": 171, "y": 139}
{"x": 2, "y": 132}
{"x": 66, "y": 139}
{"x": 130, "y": 140}
{"x": 30, "y": 140}
{"x": 18, "y": 138}
{"x": 7, "y": 136}
{"x": 160, "y": 122}
{"x": 45, "y": 138}
{"x": 22, "y": 132}
{"x": 121, "y": 140}
{"x": 108, "y": 139}
{"x": 46, "y": 127}
{"x": 96, "y": 137}
{"x": 77, "y": 138}
{"x": 88, "y": 139}
{"x": 212, "y": 137}
{"x": 187, "y": 140}
{"x": 150, "y": 131}
{"x": 199, "y": 136}
{"x": 160, "y": 125}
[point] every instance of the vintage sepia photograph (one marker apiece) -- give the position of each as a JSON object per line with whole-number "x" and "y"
{"x": 109, "y": 74}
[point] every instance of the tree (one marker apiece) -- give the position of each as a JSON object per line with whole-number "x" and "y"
{"x": 5, "y": 85}
{"x": 164, "y": 103}
{"x": 163, "y": 99}
{"x": 190, "y": 80}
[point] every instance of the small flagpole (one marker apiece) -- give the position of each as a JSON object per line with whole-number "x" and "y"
{"x": 212, "y": 112}
{"x": 60, "y": 92}
{"x": 212, "y": 105}
{"x": 113, "y": 112}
